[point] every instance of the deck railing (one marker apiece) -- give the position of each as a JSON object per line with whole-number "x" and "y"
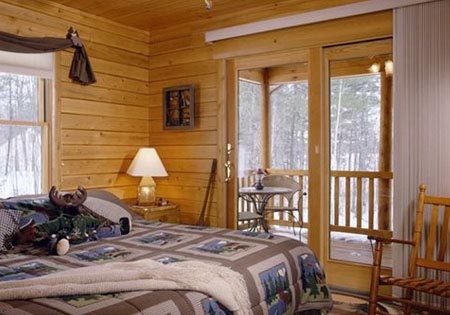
{"x": 354, "y": 201}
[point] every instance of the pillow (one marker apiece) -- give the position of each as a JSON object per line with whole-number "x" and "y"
{"x": 9, "y": 224}
{"x": 109, "y": 206}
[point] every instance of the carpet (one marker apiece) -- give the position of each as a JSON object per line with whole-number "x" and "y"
{"x": 349, "y": 305}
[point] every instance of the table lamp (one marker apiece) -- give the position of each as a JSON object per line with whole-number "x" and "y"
{"x": 146, "y": 163}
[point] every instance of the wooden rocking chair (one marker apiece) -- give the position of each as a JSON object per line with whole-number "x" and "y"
{"x": 432, "y": 259}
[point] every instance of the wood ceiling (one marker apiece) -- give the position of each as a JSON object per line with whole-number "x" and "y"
{"x": 157, "y": 14}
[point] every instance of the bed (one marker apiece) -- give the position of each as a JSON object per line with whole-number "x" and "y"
{"x": 281, "y": 275}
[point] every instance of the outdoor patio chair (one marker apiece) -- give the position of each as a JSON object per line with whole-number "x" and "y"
{"x": 292, "y": 207}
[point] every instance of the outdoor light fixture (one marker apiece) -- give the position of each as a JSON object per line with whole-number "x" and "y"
{"x": 389, "y": 67}
{"x": 375, "y": 67}
{"x": 259, "y": 174}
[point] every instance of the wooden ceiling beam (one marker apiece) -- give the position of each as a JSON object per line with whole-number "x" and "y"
{"x": 316, "y": 16}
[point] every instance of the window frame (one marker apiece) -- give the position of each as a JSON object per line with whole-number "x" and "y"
{"x": 44, "y": 100}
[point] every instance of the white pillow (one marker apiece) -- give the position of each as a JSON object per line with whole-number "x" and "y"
{"x": 108, "y": 206}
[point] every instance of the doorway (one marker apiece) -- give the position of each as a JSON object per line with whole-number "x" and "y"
{"x": 251, "y": 69}
{"x": 273, "y": 136}
{"x": 338, "y": 146}
{"x": 358, "y": 94}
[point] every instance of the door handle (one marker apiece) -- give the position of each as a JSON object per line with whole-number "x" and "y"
{"x": 228, "y": 165}
{"x": 229, "y": 149}
{"x": 228, "y": 168}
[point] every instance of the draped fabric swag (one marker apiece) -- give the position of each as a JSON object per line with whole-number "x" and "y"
{"x": 80, "y": 70}
{"x": 421, "y": 112}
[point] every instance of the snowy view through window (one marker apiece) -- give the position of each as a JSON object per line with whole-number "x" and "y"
{"x": 354, "y": 136}
{"x": 355, "y": 122}
{"x": 289, "y": 126}
{"x": 249, "y": 127}
{"x": 20, "y": 135}
{"x": 354, "y": 132}
{"x": 288, "y": 130}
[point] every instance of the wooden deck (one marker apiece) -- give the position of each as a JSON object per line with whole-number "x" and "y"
{"x": 344, "y": 246}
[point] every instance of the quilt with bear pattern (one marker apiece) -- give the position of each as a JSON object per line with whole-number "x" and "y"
{"x": 282, "y": 274}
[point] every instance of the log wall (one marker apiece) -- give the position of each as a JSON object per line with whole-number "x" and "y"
{"x": 99, "y": 127}
{"x": 179, "y": 56}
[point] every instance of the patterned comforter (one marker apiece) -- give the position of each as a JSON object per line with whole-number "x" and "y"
{"x": 282, "y": 275}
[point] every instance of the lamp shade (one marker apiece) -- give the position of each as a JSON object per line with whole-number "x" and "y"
{"x": 147, "y": 163}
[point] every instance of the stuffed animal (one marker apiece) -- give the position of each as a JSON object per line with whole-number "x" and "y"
{"x": 60, "y": 225}
{"x": 61, "y": 220}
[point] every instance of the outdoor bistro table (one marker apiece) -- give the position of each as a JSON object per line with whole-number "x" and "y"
{"x": 259, "y": 198}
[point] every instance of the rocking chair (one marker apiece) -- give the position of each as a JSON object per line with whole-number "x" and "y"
{"x": 434, "y": 233}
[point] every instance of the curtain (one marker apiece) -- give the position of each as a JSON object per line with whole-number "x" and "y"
{"x": 80, "y": 70}
{"x": 421, "y": 111}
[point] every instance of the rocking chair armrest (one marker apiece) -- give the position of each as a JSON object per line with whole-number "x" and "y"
{"x": 389, "y": 240}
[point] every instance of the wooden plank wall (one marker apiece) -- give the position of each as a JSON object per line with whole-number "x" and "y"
{"x": 99, "y": 127}
{"x": 187, "y": 154}
{"x": 179, "y": 55}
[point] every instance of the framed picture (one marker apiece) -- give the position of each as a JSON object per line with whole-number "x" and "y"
{"x": 178, "y": 107}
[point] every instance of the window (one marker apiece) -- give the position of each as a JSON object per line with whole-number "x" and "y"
{"x": 249, "y": 126}
{"x": 23, "y": 131}
{"x": 355, "y": 136}
{"x": 355, "y": 122}
{"x": 289, "y": 125}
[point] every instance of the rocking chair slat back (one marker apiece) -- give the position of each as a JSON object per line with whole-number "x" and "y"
{"x": 429, "y": 264}
{"x": 444, "y": 234}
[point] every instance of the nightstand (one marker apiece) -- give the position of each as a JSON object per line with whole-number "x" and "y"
{"x": 169, "y": 213}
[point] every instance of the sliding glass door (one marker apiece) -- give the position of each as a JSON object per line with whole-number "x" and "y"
{"x": 360, "y": 142}
{"x": 273, "y": 132}
{"x": 324, "y": 117}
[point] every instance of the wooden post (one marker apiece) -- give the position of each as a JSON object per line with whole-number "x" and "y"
{"x": 229, "y": 105}
{"x": 265, "y": 123}
{"x": 222, "y": 140}
{"x": 317, "y": 153}
{"x": 385, "y": 162}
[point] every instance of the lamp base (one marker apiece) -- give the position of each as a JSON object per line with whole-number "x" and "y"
{"x": 146, "y": 192}
{"x": 146, "y": 195}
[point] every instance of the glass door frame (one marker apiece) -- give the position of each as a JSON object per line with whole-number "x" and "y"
{"x": 355, "y": 276}
{"x": 232, "y": 68}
